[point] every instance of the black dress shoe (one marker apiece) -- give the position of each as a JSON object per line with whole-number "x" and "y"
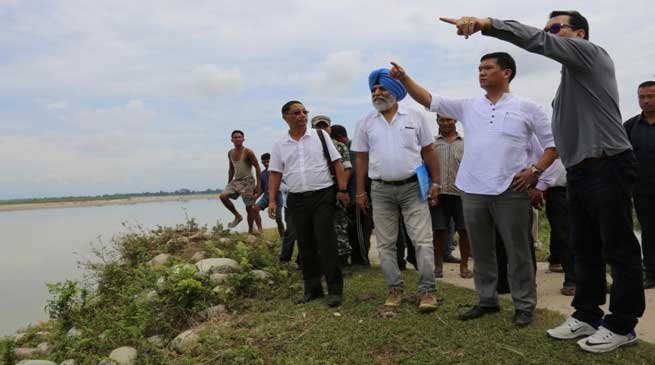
{"x": 308, "y": 297}
{"x": 522, "y": 318}
{"x": 477, "y": 312}
{"x": 334, "y": 300}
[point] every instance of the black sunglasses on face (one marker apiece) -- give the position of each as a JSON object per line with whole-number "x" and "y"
{"x": 555, "y": 28}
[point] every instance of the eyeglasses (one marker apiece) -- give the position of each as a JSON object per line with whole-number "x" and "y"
{"x": 555, "y": 28}
{"x": 298, "y": 112}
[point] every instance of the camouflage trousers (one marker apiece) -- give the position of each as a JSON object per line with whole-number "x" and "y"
{"x": 341, "y": 229}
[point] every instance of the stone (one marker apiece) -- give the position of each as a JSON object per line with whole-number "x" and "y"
{"x": 261, "y": 275}
{"x": 217, "y": 265}
{"x": 217, "y": 279}
{"x": 42, "y": 334}
{"x": 124, "y": 355}
{"x": 161, "y": 283}
{"x": 185, "y": 342}
{"x": 107, "y": 362}
{"x": 217, "y": 289}
{"x": 43, "y": 348}
{"x": 251, "y": 238}
{"x": 74, "y": 332}
{"x": 36, "y": 362}
{"x": 24, "y": 352}
{"x": 159, "y": 260}
{"x": 225, "y": 240}
{"x": 68, "y": 362}
{"x": 200, "y": 255}
{"x": 157, "y": 340}
{"x": 146, "y": 297}
{"x": 20, "y": 338}
{"x": 212, "y": 313}
{"x": 197, "y": 236}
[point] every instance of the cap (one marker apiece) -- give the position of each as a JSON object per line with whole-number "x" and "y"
{"x": 321, "y": 119}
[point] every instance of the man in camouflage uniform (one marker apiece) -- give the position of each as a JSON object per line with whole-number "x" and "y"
{"x": 340, "y": 215}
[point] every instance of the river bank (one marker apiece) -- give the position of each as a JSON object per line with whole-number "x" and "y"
{"x": 100, "y": 203}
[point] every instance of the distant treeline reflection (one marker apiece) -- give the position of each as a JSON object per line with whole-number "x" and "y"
{"x": 109, "y": 196}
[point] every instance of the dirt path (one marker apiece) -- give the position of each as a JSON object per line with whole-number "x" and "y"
{"x": 548, "y": 295}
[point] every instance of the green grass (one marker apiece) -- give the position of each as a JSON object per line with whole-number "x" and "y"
{"x": 275, "y": 331}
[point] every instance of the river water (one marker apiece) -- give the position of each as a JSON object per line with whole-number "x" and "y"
{"x": 45, "y": 245}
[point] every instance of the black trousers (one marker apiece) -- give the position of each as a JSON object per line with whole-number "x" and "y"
{"x": 312, "y": 214}
{"x": 557, "y": 212}
{"x": 645, "y": 207}
{"x": 365, "y": 223}
{"x": 288, "y": 240}
{"x": 599, "y": 195}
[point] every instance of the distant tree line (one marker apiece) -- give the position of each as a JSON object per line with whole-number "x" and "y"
{"x": 109, "y": 196}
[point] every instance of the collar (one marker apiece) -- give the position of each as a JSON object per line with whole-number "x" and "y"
{"x": 308, "y": 132}
{"x": 402, "y": 110}
{"x": 457, "y": 136}
{"x": 505, "y": 97}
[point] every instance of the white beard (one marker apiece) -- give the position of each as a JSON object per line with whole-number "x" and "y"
{"x": 382, "y": 103}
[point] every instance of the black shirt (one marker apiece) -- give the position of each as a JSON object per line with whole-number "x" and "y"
{"x": 642, "y": 137}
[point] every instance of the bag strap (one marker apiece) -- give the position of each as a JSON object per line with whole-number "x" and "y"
{"x": 325, "y": 151}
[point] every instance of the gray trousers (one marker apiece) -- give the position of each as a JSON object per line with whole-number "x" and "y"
{"x": 388, "y": 202}
{"x": 506, "y": 212}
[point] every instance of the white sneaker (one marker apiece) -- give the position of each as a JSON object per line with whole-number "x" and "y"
{"x": 605, "y": 340}
{"x": 571, "y": 329}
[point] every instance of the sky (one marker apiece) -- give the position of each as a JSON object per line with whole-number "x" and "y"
{"x": 101, "y": 97}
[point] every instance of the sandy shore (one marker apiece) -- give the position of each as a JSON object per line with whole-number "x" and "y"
{"x": 99, "y": 203}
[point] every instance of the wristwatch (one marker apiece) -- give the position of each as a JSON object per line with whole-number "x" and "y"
{"x": 535, "y": 171}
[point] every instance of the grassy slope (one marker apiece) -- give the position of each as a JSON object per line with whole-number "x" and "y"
{"x": 277, "y": 332}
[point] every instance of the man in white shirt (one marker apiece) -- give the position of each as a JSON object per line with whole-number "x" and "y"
{"x": 494, "y": 175}
{"x": 302, "y": 158}
{"x": 390, "y": 144}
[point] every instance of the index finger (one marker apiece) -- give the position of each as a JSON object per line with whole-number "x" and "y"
{"x": 448, "y": 20}
{"x": 394, "y": 64}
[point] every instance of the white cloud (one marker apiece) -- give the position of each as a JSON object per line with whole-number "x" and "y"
{"x": 209, "y": 82}
{"x": 132, "y": 116}
{"x": 57, "y": 105}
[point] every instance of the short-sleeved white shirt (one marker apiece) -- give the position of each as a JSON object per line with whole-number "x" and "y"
{"x": 394, "y": 149}
{"x": 302, "y": 163}
{"x": 497, "y": 138}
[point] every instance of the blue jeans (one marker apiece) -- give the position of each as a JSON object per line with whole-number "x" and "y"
{"x": 388, "y": 202}
{"x": 599, "y": 192}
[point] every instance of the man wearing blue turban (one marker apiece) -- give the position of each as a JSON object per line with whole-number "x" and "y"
{"x": 390, "y": 143}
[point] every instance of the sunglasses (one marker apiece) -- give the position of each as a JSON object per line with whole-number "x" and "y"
{"x": 555, "y": 28}
{"x": 298, "y": 112}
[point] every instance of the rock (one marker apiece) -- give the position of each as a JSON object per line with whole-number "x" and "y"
{"x": 74, "y": 332}
{"x": 159, "y": 260}
{"x": 36, "y": 362}
{"x": 68, "y": 362}
{"x": 42, "y": 334}
{"x": 157, "y": 340}
{"x": 124, "y": 355}
{"x": 185, "y": 342}
{"x": 20, "y": 338}
{"x": 217, "y": 289}
{"x": 43, "y": 348}
{"x": 225, "y": 240}
{"x": 146, "y": 297}
{"x": 218, "y": 278}
{"x": 24, "y": 352}
{"x": 217, "y": 265}
{"x": 213, "y": 312}
{"x": 261, "y": 275}
{"x": 161, "y": 283}
{"x": 197, "y": 236}
{"x": 200, "y": 255}
{"x": 251, "y": 238}
{"x": 107, "y": 362}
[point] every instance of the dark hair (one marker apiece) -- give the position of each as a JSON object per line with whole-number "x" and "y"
{"x": 288, "y": 104}
{"x": 643, "y": 84}
{"x": 576, "y": 20}
{"x": 265, "y": 156}
{"x": 338, "y": 131}
{"x": 504, "y": 60}
{"x": 237, "y": 131}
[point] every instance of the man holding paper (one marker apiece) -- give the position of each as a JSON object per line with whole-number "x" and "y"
{"x": 494, "y": 175}
{"x": 391, "y": 143}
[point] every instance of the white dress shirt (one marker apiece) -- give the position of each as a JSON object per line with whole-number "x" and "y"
{"x": 497, "y": 138}
{"x": 394, "y": 149}
{"x": 302, "y": 163}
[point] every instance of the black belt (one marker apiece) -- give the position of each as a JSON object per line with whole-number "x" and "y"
{"x": 312, "y": 192}
{"x": 398, "y": 182}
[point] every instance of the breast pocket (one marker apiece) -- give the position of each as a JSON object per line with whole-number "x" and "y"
{"x": 515, "y": 127}
{"x": 408, "y": 137}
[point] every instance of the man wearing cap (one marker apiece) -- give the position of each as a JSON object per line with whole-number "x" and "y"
{"x": 390, "y": 143}
{"x": 340, "y": 214}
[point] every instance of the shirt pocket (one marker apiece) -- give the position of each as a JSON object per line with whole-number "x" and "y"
{"x": 515, "y": 128}
{"x": 408, "y": 137}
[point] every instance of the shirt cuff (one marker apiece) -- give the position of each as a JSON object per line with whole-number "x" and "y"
{"x": 542, "y": 186}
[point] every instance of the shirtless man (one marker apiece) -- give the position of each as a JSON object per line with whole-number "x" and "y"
{"x": 240, "y": 182}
